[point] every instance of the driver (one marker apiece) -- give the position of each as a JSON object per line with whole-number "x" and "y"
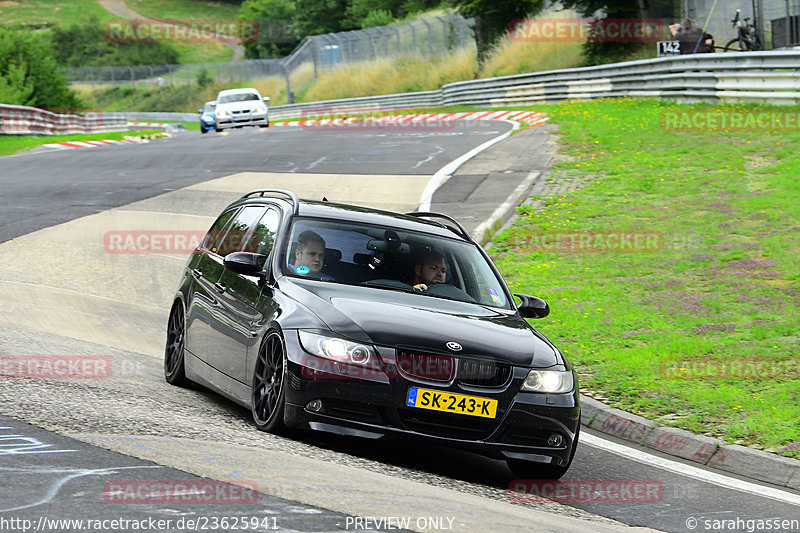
{"x": 309, "y": 256}
{"x": 428, "y": 270}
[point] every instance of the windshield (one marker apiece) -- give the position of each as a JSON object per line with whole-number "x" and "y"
{"x": 380, "y": 257}
{"x": 237, "y": 97}
{"x": 209, "y": 108}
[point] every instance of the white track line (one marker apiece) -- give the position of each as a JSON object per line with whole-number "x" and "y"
{"x": 686, "y": 470}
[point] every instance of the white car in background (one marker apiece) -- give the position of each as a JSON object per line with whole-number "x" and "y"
{"x": 240, "y": 107}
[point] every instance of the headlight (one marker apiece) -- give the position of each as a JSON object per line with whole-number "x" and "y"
{"x": 553, "y": 381}
{"x": 223, "y": 113}
{"x": 336, "y": 349}
{"x": 208, "y": 117}
{"x": 259, "y": 109}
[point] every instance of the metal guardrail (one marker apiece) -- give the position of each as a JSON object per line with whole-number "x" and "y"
{"x": 748, "y": 77}
{"x": 16, "y": 119}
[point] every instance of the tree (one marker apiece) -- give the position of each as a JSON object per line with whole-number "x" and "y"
{"x": 276, "y": 32}
{"x": 493, "y": 17}
{"x": 30, "y": 75}
{"x": 14, "y": 88}
{"x": 598, "y": 51}
{"x": 315, "y": 17}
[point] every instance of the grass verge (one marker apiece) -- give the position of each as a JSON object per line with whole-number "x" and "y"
{"x": 699, "y": 332}
{"x": 15, "y": 144}
{"x": 43, "y": 13}
{"x": 206, "y": 10}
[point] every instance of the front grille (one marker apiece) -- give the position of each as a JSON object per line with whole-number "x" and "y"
{"x": 448, "y": 425}
{"x": 352, "y": 411}
{"x": 426, "y": 366}
{"x": 483, "y": 373}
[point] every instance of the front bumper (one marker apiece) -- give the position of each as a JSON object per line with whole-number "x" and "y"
{"x": 236, "y": 121}
{"x": 373, "y": 405}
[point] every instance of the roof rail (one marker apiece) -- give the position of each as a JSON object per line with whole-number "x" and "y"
{"x": 275, "y": 192}
{"x": 459, "y": 229}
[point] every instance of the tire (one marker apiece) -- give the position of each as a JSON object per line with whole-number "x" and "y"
{"x": 217, "y": 129}
{"x": 734, "y": 45}
{"x": 174, "y": 361}
{"x": 532, "y": 470}
{"x": 203, "y": 130}
{"x": 269, "y": 385}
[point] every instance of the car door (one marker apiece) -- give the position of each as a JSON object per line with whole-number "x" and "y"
{"x": 205, "y": 268}
{"x": 238, "y": 296}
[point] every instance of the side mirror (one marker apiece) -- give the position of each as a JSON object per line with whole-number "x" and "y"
{"x": 266, "y": 99}
{"x": 532, "y": 307}
{"x": 246, "y": 263}
{"x": 199, "y": 110}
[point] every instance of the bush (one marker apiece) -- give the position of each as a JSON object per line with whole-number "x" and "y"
{"x": 86, "y": 45}
{"x": 203, "y": 79}
{"x": 378, "y": 17}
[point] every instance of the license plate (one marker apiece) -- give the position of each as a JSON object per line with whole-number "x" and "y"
{"x": 449, "y": 402}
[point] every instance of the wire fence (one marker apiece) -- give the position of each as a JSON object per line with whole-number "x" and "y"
{"x": 427, "y": 37}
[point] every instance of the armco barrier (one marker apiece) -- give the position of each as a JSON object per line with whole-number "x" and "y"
{"x": 749, "y": 77}
{"x": 16, "y": 119}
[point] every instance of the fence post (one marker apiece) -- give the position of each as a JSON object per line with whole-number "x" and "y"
{"x": 314, "y": 54}
{"x": 289, "y": 95}
{"x": 413, "y": 38}
{"x": 445, "y": 42}
{"x": 430, "y": 37}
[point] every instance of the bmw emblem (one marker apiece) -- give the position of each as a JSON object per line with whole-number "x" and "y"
{"x": 454, "y": 346}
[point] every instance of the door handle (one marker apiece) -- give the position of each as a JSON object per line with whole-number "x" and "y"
{"x": 220, "y": 287}
{"x": 198, "y": 273}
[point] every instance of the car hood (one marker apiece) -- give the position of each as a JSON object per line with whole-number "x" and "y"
{"x": 422, "y": 323}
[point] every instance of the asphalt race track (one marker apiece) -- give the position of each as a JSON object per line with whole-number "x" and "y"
{"x": 67, "y": 292}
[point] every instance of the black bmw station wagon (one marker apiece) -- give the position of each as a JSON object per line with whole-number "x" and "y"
{"x": 373, "y": 324}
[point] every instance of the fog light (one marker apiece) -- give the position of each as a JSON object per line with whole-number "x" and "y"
{"x": 555, "y": 440}
{"x": 314, "y": 406}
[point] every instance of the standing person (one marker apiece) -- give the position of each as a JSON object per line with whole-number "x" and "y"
{"x": 691, "y": 38}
